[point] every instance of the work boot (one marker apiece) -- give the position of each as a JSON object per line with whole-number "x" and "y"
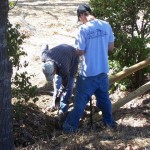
{"x": 113, "y": 128}
{"x": 103, "y": 126}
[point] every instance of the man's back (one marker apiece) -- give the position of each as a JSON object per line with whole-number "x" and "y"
{"x": 95, "y": 36}
{"x": 65, "y": 58}
{"x": 59, "y": 53}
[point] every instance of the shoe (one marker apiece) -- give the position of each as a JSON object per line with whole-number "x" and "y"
{"x": 68, "y": 129}
{"x": 99, "y": 126}
{"x": 113, "y": 128}
{"x": 104, "y": 126}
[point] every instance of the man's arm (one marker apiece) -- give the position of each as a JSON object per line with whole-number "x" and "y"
{"x": 62, "y": 89}
{"x": 111, "y": 46}
{"x": 80, "y": 52}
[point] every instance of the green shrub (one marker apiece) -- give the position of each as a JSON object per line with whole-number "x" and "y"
{"x": 22, "y": 88}
{"x": 130, "y": 20}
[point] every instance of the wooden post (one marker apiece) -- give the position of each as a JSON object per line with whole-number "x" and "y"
{"x": 128, "y": 71}
{"x": 141, "y": 90}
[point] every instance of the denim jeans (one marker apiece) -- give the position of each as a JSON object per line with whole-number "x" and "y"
{"x": 85, "y": 88}
{"x": 64, "y": 101}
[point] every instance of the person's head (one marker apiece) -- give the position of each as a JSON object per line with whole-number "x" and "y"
{"x": 49, "y": 70}
{"x": 83, "y": 11}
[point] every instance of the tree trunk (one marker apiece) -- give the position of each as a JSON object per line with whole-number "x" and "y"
{"x": 6, "y": 125}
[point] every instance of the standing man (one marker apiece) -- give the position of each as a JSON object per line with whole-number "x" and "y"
{"x": 95, "y": 38}
{"x": 60, "y": 65}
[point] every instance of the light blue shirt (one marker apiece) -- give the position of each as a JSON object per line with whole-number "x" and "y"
{"x": 94, "y": 38}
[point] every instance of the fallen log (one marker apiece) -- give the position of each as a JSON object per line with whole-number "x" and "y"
{"x": 140, "y": 91}
{"x": 128, "y": 71}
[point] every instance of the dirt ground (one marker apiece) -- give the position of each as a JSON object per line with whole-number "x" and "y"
{"x": 55, "y": 22}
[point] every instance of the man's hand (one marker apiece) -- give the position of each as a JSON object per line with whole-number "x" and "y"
{"x": 58, "y": 96}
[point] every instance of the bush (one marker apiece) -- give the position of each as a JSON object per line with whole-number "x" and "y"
{"x": 130, "y": 20}
{"x": 22, "y": 88}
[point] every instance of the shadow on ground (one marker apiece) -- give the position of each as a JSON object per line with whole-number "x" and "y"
{"x": 33, "y": 128}
{"x": 32, "y": 125}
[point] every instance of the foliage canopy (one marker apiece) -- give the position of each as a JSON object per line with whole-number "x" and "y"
{"x": 130, "y": 20}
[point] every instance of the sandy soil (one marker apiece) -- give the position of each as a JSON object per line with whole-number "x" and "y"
{"x": 44, "y": 21}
